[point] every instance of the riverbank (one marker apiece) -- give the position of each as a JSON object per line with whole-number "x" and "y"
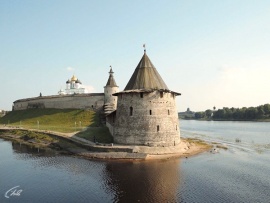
{"x": 69, "y": 143}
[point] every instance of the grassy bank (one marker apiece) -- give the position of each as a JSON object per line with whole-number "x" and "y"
{"x": 85, "y": 122}
{"x": 36, "y": 139}
{"x": 197, "y": 142}
{"x": 60, "y": 120}
{"x": 98, "y": 134}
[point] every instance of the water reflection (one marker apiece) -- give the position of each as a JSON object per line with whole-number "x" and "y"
{"x": 127, "y": 181}
{"x": 238, "y": 174}
{"x": 155, "y": 181}
{"x": 28, "y": 149}
{"x": 89, "y": 180}
{"x": 45, "y": 157}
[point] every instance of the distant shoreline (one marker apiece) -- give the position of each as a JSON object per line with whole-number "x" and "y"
{"x": 255, "y": 120}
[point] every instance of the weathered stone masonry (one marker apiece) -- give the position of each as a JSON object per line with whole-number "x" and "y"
{"x": 146, "y": 118}
{"x": 146, "y": 110}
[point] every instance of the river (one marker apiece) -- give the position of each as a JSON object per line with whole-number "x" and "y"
{"x": 238, "y": 174}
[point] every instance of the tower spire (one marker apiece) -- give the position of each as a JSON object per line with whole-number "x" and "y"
{"x": 111, "y": 82}
{"x": 111, "y": 71}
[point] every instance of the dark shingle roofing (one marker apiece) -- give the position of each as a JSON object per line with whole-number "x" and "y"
{"x": 145, "y": 76}
{"x": 111, "y": 82}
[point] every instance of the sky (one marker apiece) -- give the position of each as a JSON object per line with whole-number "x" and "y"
{"x": 214, "y": 52}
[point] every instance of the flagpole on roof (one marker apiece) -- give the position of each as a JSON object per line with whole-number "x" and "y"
{"x": 144, "y": 48}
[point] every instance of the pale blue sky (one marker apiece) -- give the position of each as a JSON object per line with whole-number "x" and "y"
{"x": 214, "y": 52}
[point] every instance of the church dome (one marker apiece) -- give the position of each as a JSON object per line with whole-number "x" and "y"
{"x": 73, "y": 78}
{"x": 78, "y": 81}
{"x": 68, "y": 81}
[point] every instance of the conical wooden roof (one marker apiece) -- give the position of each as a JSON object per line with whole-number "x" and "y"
{"x": 145, "y": 76}
{"x": 111, "y": 82}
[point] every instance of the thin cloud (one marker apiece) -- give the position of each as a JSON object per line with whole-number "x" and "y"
{"x": 70, "y": 69}
{"x": 89, "y": 88}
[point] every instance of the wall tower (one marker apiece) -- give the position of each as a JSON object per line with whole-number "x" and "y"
{"x": 110, "y": 101}
{"x": 146, "y": 110}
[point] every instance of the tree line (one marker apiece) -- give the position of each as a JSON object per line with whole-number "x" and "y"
{"x": 245, "y": 113}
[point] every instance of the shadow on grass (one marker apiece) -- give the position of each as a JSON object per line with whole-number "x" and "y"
{"x": 98, "y": 134}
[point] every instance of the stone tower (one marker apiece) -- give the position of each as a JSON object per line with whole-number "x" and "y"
{"x": 146, "y": 110}
{"x": 110, "y": 101}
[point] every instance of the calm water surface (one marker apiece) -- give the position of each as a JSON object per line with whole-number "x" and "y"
{"x": 239, "y": 174}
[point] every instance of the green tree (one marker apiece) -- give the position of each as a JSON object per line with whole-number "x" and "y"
{"x": 228, "y": 113}
{"x": 251, "y": 113}
{"x": 199, "y": 115}
{"x": 208, "y": 113}
{"x": 260, "y": 111}
{"x": 266, "y": 109}
{"x": 239, "y": 114}
{"x": 244, "y": 113}
{"x": 219, "y": 114}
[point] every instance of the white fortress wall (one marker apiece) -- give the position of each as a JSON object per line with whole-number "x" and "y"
{"x": 93, "y": 101}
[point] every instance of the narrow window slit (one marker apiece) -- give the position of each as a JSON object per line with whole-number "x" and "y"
{"x": 131, "y": 111}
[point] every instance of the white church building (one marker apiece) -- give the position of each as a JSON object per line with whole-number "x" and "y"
{"x": 73, "y": 86}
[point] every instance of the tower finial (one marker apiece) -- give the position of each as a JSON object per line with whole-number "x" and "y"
{"x": 144, "y": 48}
{"x": 111, "y": 71}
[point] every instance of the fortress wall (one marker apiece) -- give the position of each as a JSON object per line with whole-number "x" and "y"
{"x": 76, "y": 101}
{"x": 20, "y": 105}
{"x": 160, "y": 127}
{"x": 110, "y": 119}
